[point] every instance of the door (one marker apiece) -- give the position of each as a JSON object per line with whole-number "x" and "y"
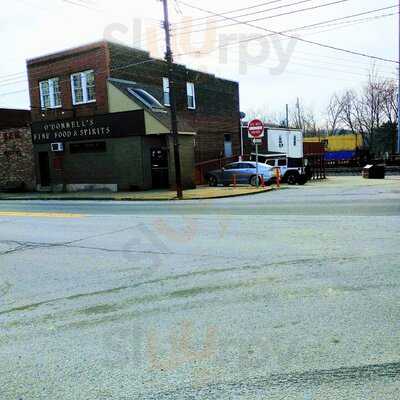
{"x": 159, "y": 168}
{"x": 236, "y": 172}
{"x": 247, "y": 170}
{"x": 228, "y": 172}
{"x": 44, "y": 168}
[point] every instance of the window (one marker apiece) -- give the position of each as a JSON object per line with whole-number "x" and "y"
{"x": 191, "y": 97}
{"x": 280, "y": 141}
{"x": 270, "y": 162}
{"x": 248, "y": 166}
{"x": 232, "y": 166}
{"x": 167, "y": 101}
{"x": 50, "y": 94}
{"x": 294, "y": 140}
{"x": 83, "y": 87}
{"x": 228, "y": 145}
{"x": 282, "y": 162}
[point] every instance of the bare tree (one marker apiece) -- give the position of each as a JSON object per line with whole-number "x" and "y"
{"x": 348, "y": 115}
{"x": 364, "y": 112}
{"x": 334, "y": 113}
{"x": 390, "y": 105}
{"x": 370, "y": 108}
{"x": 302, "y": 117}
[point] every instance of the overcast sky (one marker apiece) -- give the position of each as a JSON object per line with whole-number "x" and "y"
{"x": 272, "y": 71}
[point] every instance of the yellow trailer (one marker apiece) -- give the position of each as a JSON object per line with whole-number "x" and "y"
{"x": 338, "y": 142}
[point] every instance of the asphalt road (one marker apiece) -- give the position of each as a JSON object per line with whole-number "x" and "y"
{"x": 283, "y": 295}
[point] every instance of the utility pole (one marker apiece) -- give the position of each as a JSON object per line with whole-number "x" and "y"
{"x": 172, "y": 98}
{"x": 398, "y": 97}
{"x": 299, "y": 119}
{"x": 287, "y": 114}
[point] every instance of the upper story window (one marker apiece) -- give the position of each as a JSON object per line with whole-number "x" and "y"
{"x": 191, "y": 96}
{"x": 83, "y": 87}
{"x": 167, "y": 100}
{"x": 50, "y": 94}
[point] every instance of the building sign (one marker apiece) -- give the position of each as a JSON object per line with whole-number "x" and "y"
{"x": 114, "y": 125}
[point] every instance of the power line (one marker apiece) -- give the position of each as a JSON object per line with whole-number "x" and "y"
{"x": 348, "y": 23}
{"x": 313, "y": 26}
{"x": 25, "y": 80}
{"x": 83, "y": 4}
{"x": 12, "y": 75}
{"x": 245, "y": 15}
{"x": 14, "y": 81}
{"x": 314, "y": 65}
{"x": 151, "y": 60}
{"x": 99, "y": 72}
{"x": 294, "y": 37}
{"x": 327, "y": 23}
{"x": 273, "y": 16}
{"x": 324, "y": 22}
{"x": 330, "y": 22}
{"x": 242, "y": 9}
{"x": 13, "y": 92}
{"x": 335, "y": 64}
{"x": 87, "y": 6}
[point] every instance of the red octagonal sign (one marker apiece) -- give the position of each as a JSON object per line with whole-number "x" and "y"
{"x": 256, "y": 129}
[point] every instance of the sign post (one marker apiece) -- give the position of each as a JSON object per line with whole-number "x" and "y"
{"x": 256, "y": 132}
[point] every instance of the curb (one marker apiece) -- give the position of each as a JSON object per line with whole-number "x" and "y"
{"x": 126, "y": 199}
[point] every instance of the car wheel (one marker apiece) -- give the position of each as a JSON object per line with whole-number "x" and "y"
{"x": 292, "y": 179}
{"x": 212, "y": 181}
{"x": 253, "y": 181}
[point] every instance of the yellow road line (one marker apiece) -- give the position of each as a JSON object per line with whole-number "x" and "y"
{"x": 39, "y": 214}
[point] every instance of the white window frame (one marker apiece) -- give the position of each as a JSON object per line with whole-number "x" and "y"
{"x": 83, "y": 78}
{"x": 52, "y": 94}
{"x": 190, "y": 91}
{"x": 166, "y": 91}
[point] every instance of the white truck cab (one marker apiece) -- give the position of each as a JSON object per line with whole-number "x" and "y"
{"x": 292, "y": 169}
{"x": 284, "y": 150}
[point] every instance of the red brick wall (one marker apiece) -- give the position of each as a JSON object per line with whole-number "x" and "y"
{"x": 217, "y": 110}
{"x": 16, "y": 159}
{"x": 62, "y": 65}
{"x": 217, "y": 100}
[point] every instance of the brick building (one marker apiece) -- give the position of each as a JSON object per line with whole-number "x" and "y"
{"x": 16, "y": 152}
{"x": 100, "y": 118}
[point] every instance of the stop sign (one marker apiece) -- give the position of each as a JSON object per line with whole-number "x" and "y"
{"x": 256, "y": 129}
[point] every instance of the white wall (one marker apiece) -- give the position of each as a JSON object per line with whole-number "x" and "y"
{"x": 285, "y": 141}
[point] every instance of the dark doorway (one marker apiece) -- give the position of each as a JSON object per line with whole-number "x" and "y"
{"x": 159, "y": 168}
{"x": 44, "y": 168}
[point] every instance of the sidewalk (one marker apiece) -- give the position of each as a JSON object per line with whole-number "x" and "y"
{"x": 200, "y": 193}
